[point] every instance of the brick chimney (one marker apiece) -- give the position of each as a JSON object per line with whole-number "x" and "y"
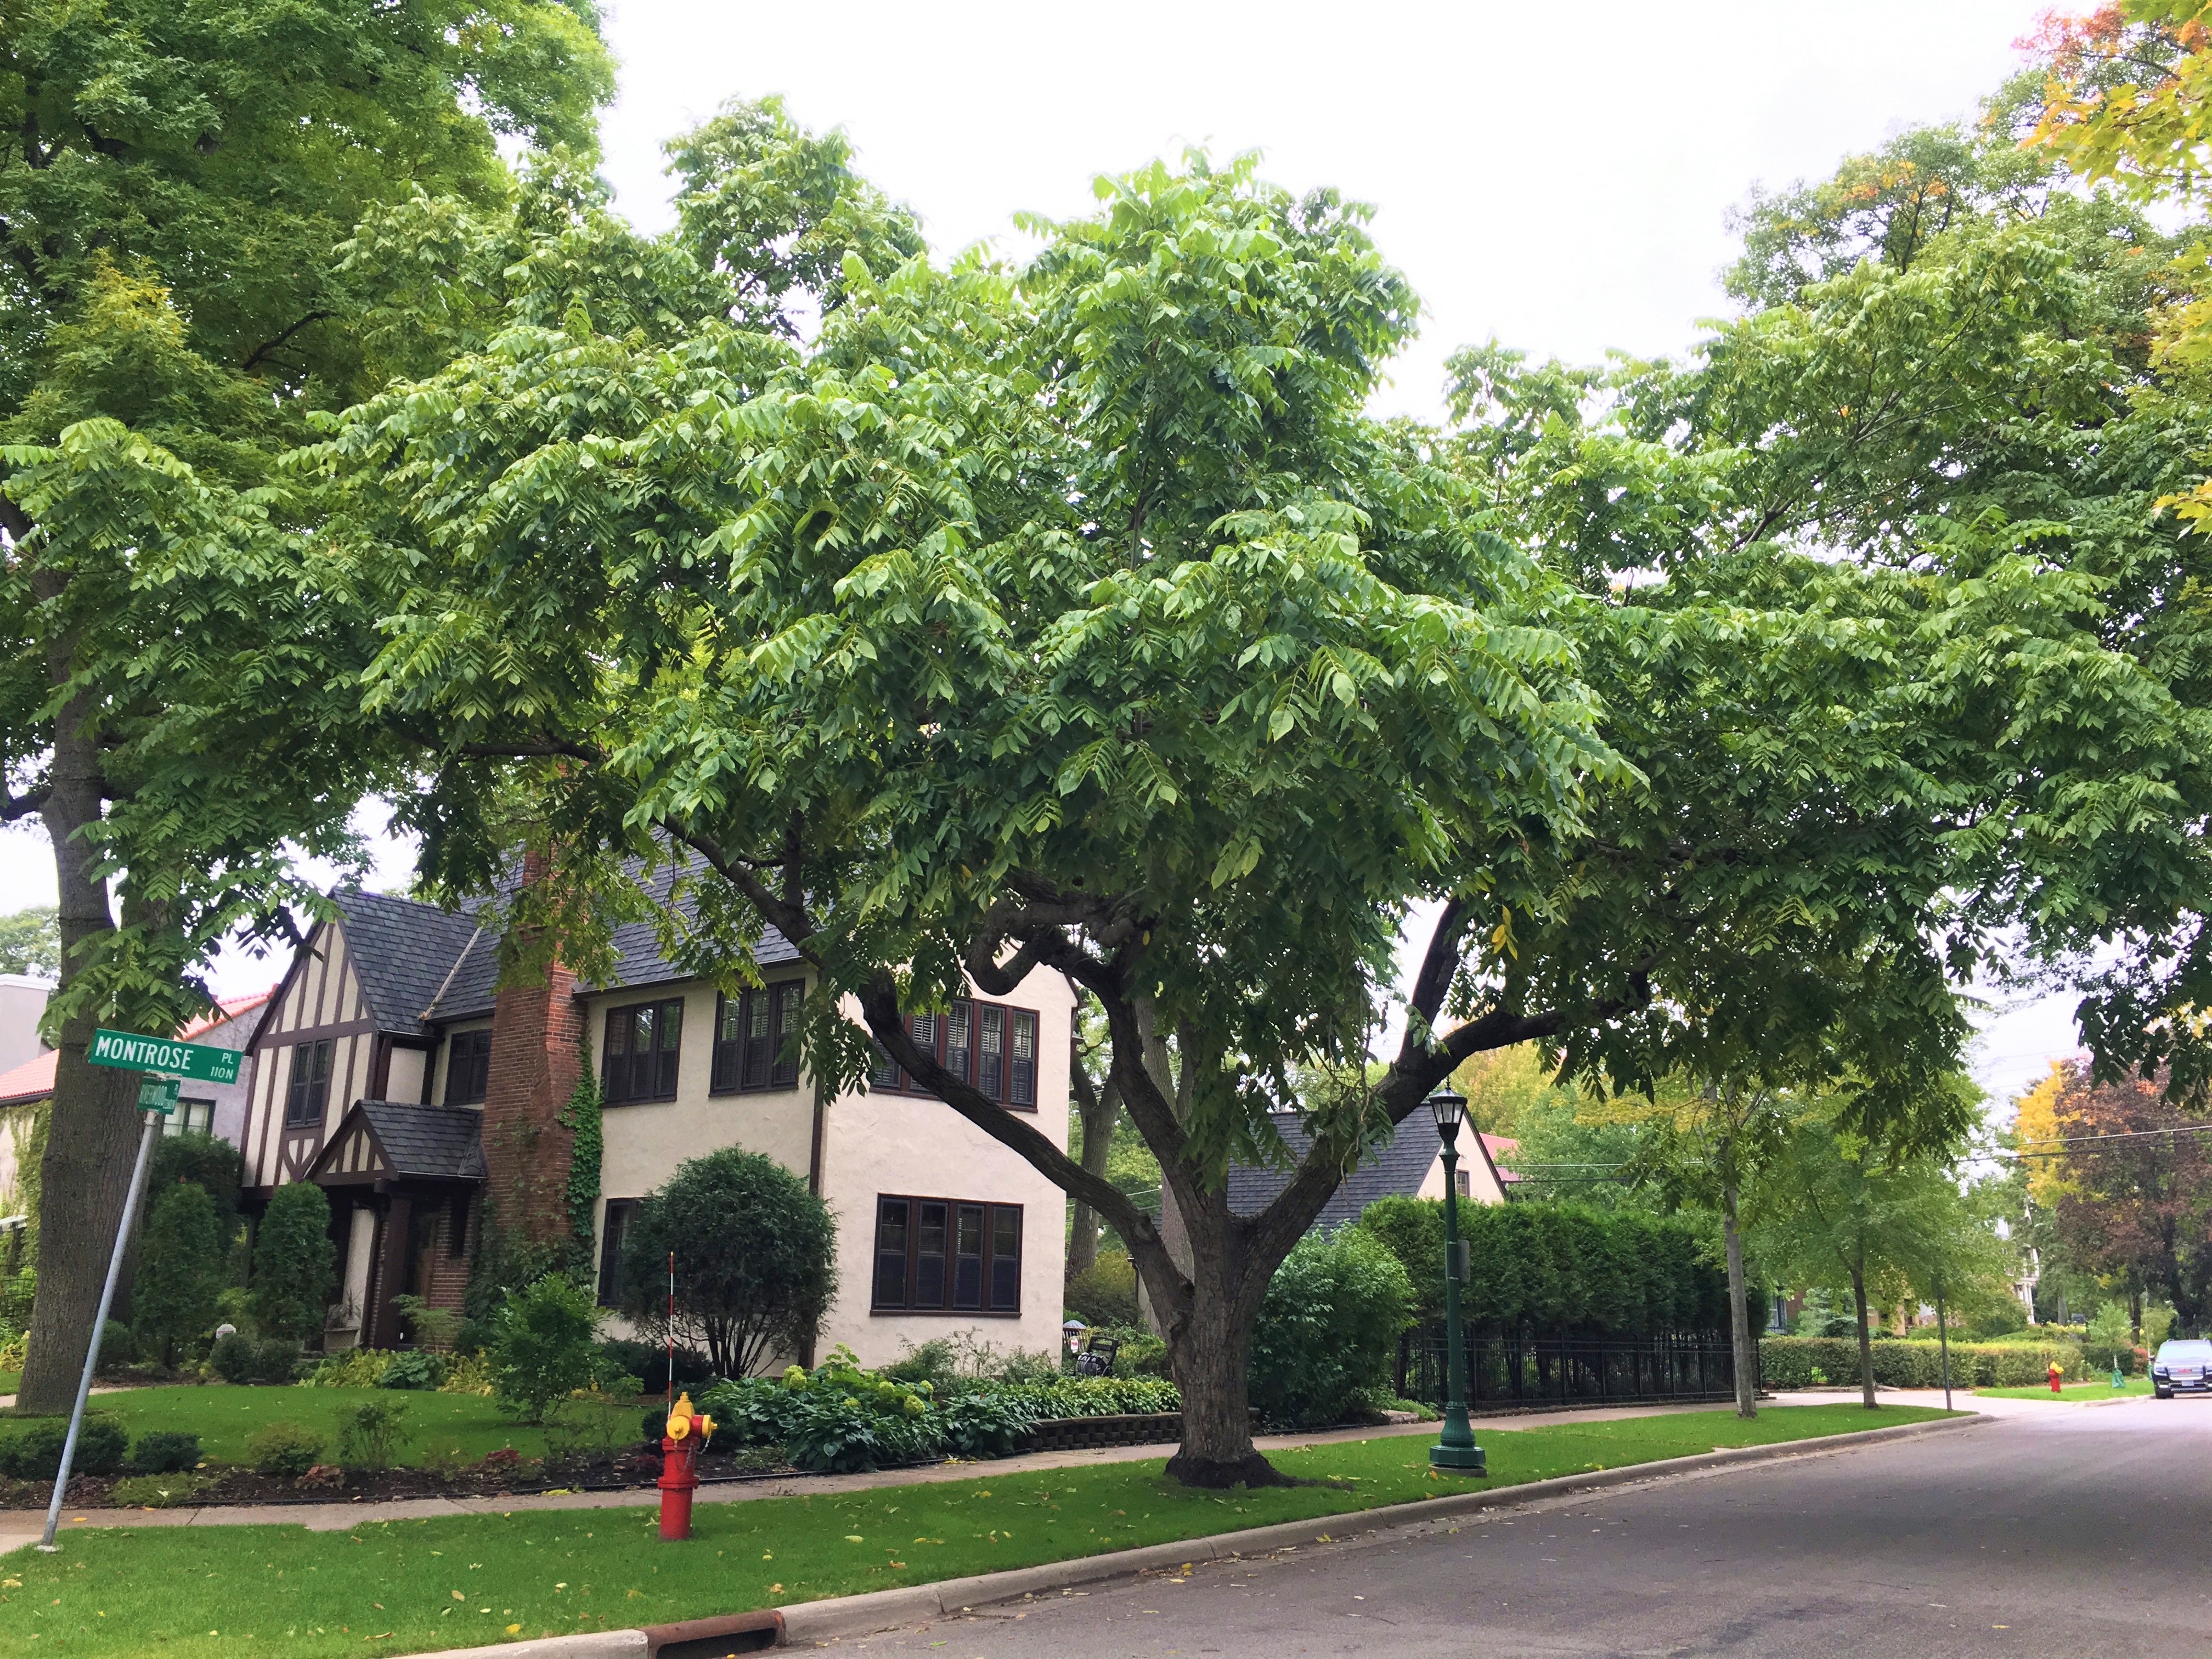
{"x": 537, "y": 1037}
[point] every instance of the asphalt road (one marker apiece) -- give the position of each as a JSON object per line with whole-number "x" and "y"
{"x": 2073, "y": 1531}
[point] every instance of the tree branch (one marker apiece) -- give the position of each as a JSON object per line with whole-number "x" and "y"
{"x": 13, "y": 807}
{"x": 277, "y": 344}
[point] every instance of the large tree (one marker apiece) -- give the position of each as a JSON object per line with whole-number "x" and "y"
{"x": 176, "y": 699}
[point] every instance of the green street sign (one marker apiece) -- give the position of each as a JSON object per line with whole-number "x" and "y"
{"x": 159, "y": 1093}
{"x": 133, "y": 1053}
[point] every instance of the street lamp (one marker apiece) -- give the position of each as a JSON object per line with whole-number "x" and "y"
{"x": 1456, "y": 1450}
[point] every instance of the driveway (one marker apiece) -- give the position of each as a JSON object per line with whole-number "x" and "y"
{"x": 2064, "y": 1531}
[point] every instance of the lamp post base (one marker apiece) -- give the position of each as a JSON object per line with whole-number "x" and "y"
{"x": 1467, "y": 1460}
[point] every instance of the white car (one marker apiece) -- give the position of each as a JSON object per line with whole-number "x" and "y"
{"x": 2182, "y": 1367}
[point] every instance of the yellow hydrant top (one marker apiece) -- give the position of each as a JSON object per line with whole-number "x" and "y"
{"x": 684, "y": 1417}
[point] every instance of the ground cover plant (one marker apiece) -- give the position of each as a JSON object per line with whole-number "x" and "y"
{"x": 404, "y": 1586}
{"x": 2098, "y": 1388}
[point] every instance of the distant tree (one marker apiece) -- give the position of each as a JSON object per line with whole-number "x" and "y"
{"x": 755, "y": 1257}
{"x": 31, "y": 943}
{"x": 294, "y": 1265}
{"x": 206, "y": 1160}
{"x": 183, "y": 1266}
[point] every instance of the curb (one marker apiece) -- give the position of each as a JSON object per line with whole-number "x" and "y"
{"x": 813, "y": 1623}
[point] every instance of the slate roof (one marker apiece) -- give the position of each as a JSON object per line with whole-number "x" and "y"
{"x": 1395, "y": 1168}
{"x": 443, "y": 1143}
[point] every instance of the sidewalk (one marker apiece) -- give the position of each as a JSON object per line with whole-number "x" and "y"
{"x": 22, "y": 1527}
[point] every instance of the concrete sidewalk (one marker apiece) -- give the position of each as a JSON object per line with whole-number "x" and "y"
{"x": 22, "y": 1527}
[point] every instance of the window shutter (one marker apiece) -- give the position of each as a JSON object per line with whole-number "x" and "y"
{"x": 1023, "y": 1089}
{"x": 991, "y": 1052}
{"x": 960, "y": 1041}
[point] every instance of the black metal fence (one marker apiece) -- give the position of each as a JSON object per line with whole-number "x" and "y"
{"x": 1545, "y": 1371}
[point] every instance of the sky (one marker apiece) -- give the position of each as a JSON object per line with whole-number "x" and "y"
{"x": 1558, "y": 178}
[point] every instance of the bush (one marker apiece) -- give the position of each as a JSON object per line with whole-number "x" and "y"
{"x": 468, "y": 1374}
{"x": 352, "y": 1368}
{"x": 207, "y": 1161}
{"x": 164, "y": 1451}
{"x": 158, "y": 1492}
{"x": 542, "y": 1344}
{"x": 238, "y": 1358}
{"x": 1804, "y": 1362}
{"x": 1105, "y": 1293}
{"x": 1140, "y": 1354}
{"x": 36, "y": 1453}
{"x": 183, "y": 1262}
{"x": 371, "y": 1433}
{"x": 283, "y": 1448}
{"x": 1328, "y": 1329}
{"x": 295, "y": 1263}
{"x": 1096, "y": 1396}
{"x": 413, "y": 1370}
{"x": 755, "y": 1259}
{"x": 117, "y": 1348}
{"x": 648, "y": 1363}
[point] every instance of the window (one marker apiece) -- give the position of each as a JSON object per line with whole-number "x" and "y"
{"x": 1463, "y": 1183}
{"x": 610, "y": 1250}
{"x": 757, "y": 1037}
{"x": 641, "y": 1049}
{"x": 191, "y": 1117}
{"x": 468, "y": 1067}
{"x": 992, "y": 1047}
{"x": 308, "y": 1095}
{"x": 947, "y": 1256}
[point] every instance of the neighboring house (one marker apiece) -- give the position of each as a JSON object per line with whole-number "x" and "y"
{"x": 1409, "y": 1163}
{"x": 216, "y": 1108}
{"x": 23, "y": 1002}
{"x": 392, "y": 1070}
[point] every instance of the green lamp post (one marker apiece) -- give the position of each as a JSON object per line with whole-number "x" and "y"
{"x": 1456, "y": 1450}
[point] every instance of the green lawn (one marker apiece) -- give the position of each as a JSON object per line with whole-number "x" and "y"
{"x": 2100, "y": 1389}
{"x": 225, "y": 1417}
{"x": 398, "y": 1587}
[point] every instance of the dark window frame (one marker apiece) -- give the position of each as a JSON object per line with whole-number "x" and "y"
{"x": 307, "y": 1094}
{"x": 763, "y": 1062}
{"x": 992, "y": 1046}
{"x": 476, "y": 1079}
{"x": 612, "y": 1226}
{"x": 627, "y": 1088}
{"x": 947, "y": 1256}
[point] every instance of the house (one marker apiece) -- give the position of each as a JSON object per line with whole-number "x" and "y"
{"x": 217, "y": 1109}
{"x": 22, "y": 1005}
{"x": 393, "y": 1070}
{"x": 1409, "y": 1162}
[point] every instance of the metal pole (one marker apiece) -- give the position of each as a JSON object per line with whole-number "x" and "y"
{"x": 99, "y": 1320}
{"x": 1455, "y": 1448}
{"x": 1943, "y": 1341}
{"x": 671, "y": 1332}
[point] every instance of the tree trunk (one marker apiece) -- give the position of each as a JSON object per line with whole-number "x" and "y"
{"x": 92, "y": 1136}
{"x": 1745, "y": 1351}
{"x": 1099, "y": 1109}
{"x": 1866, "y": 1342}
{"x": 1209, "y": 1351}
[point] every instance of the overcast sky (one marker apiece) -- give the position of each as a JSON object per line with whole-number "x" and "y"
{"x": 1557, "y": 177}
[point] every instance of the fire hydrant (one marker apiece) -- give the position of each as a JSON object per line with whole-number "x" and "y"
{"x": 688, "y": 1431}
{"x": 2055, "y": 1374}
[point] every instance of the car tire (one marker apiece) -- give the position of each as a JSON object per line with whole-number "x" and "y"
{"x": 2163, "y": 1394}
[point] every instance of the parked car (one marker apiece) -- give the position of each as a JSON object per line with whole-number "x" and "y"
{"x": 2182, "y": 1367}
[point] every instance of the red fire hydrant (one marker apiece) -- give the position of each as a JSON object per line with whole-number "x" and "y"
{"x": 2055, "y": 1374}
{"x": 688, "y": 1433}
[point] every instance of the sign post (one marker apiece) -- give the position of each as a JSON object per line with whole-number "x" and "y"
{"x": 157, "y": 1098}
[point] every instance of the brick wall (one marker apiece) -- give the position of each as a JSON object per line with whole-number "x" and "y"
{"x": 537, "y": 1036}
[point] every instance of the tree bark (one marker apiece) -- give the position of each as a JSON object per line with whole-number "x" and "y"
{"x": 1866, "y": 1342}
{"x": 92, "y": 1136}
{"x": 1210, "y": 1351}
{"x": 1098, "y": 1109}
{"x": 1746, "y": 1352}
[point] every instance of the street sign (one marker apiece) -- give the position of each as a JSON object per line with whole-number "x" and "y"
{"x": 134, "y": 1053}
{"x": 159, "y": 1093}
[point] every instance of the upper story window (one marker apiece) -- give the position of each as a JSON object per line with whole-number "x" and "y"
{"x": 984, "y": 1043}
{"x": 756, "y": 1038}
{"x": 307, "y": 1096}
{"x": 641, "y": 1046}
{"x": 468, "y": 1067}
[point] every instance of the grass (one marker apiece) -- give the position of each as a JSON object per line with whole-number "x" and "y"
{"x": 225, "y": 1417}
{"x": 401, "y": 1587}
{"x": 2102, "y": 1388}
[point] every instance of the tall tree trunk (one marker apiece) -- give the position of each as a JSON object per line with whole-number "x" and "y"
{"x": 92, "y": 1136}
{"x": 1209, "y": 1349}
{"x": 1866, "y": 1342}
{"x": 1099, "y": 1109}
{"x": 1745, "y": 1351}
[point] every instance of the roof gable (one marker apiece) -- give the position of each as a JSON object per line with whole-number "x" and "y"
{"x": 398, "y": 1140}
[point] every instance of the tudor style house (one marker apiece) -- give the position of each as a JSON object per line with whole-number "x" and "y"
{"x": 392, "y": 1070}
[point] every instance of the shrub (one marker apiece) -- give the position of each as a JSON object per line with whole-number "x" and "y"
{"x": 183, "y": 1259}
{"x": 283, "y": 1448}
{"x": 982, "y": 1423}
{"x": 36, "y": 1453}
{"x": 371, "y": 1433}
{"x": 542, "y": 1346}
{"x": 648, "y": 1363}
{"x": 238, "y": 1358}
{"x": 164, "y": 1451}
{"x": 158, "y": 1492}
{"x": 353, "y": 1368}
{"x": 430, "y": 1327}
{"x": 413, "y": 1370}
{"x": 468, "y": 1374}
{"x": 207, "y": 1161}
{"x": 1801, "y": 1362}
{"x": 294, "y": 1262}
{"x": 755, "y": 1259}
{"x": 1328, "y": 1329}
{"x": 1140, "y": 1354}
{"x": 1106, "y": 1292}
{"x": 117, "y": 1348}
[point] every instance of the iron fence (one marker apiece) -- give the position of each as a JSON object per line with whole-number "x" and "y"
{"x": 1541, "y": 1370}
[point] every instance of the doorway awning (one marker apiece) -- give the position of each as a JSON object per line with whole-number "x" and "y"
{"x": 384, "y": 1141}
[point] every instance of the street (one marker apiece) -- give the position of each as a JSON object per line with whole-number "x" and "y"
{"x": 2073, "y": 1529}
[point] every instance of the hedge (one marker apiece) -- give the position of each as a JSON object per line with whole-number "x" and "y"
{"x": 1789, "y": 1362}
{"x": 1560, "y": 1269}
